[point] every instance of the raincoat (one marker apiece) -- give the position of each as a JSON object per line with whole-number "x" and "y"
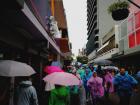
{"x": 59, "y": 96}
{"x": 82, "y": 95}
{"x": 81, "y": 72}
{"x": 86, "y": 77}
{"x": 108, "y": 78}
{"x": 74, "y": 95}
{"x": 124, "y": 84}
{"x": 135, "y": 98}
{"x": 26, "y": 94}
{"x": 96, "y": 87}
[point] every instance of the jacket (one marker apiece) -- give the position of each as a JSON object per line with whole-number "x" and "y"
{"x": 59, "y": 96}
{"x": 95, "y": 86}
{"x": 26, "y": 94}
{"x": 124, "y": 84}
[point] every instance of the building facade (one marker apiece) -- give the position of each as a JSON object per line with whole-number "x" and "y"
{"x": 118, "y": 40}
{"x": 92, "y": 23}
{"x": 99, "y": 36}
{"x": 25, "y": 36}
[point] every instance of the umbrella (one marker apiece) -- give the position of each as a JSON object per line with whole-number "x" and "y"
{"x": 51, "y": 69}
{"x": 11, "y": 68}
{"x": 56, "y": 63}
{"x": 103, "y": 62}
{"x": 78, "y": 63}
{"x": 62, "y": 78}
{"x": 111, "y": 68}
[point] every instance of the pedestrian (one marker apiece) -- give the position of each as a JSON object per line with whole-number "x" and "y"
{"x": 59, "y": 96}
{"x": 95, "y": 85}
{"x": 87, "y": 76}
{"x": 99, "y": 71}
{"x": 4, "y": 90}
{"x": 136, "y": 94}
{"x": 108, "y": 83}
{"x": 108, "y": 87}
{"x": 26, "y": 93}
{"x": 74, "y": 95}
{"x": 123, "y": 85}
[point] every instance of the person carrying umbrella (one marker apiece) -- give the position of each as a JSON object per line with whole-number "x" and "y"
{"x": 96, "y": 88}
{"x": 26, "y": 93}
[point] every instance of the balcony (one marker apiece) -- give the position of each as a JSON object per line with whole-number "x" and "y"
{"x": 108, "y": 54}
{"x": 91, "y": 56}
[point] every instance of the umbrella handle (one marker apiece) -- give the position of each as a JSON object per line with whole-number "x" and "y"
{"x": 11, "y": 101}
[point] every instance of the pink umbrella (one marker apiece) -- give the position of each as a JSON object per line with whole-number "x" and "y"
{"x": 52, "y": 69}
{"x": 62, "y": 78}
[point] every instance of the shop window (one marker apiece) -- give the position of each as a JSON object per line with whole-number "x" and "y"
{"x": 137, "y": 18}
{"x": 130, "y": 23}
{"x": 131, "y": 41}
{"x": 138, "y": 37}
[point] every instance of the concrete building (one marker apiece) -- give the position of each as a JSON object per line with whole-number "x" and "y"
{"x": 128, "y": 32}
{"x": 99, "y": 36}
{"x": 92, "y": 23}
{"x": 25, "y": 36}
{"x": 118, "y": 41}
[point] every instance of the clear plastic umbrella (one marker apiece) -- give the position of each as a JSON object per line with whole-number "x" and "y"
{"x": 103, "y": 62}
{"x": 111, "y": 68}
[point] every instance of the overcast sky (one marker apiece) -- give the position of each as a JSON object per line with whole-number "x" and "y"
{"x": 77, "y": 25}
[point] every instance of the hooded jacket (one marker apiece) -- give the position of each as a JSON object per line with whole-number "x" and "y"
{"x": 26, "y": 94}
{"x": 59, "y": 96}
{"x": 95, "y": 86}
{"x": 124, "y": 84}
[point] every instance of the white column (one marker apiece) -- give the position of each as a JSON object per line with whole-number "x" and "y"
{"x": 116, "y": 34}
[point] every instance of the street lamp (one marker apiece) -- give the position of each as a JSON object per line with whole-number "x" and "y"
{"x": 134, "y": 3}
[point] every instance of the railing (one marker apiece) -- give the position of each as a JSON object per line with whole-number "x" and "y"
{"x": 108, "y": 54}
{"x": 129, "y": 32}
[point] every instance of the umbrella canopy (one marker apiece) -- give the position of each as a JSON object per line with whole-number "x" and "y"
{"x": 52, "y": 69}
{"x": 56, "y": 63}
{"x": 103, "y": 62}
{"x": 111, "y": 68}
{"x": 11, "y": 68}
{"x": 62, "y": 78}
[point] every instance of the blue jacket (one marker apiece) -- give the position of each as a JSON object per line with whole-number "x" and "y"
{"x": 124, "y": 84}
{"x": 26, "y": 94}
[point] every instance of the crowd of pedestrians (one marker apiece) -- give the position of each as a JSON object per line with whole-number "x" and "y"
{"x": 97, "y": 86}
{"x": 107, "y": 86}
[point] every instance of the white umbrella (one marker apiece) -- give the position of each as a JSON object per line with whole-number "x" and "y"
{"x": 11, "y": 68}
{"x": 111, "y": 68}
{"x": 103, "y": 62}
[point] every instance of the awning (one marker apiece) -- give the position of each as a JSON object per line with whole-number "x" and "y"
{"x": 106, "y": 44}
